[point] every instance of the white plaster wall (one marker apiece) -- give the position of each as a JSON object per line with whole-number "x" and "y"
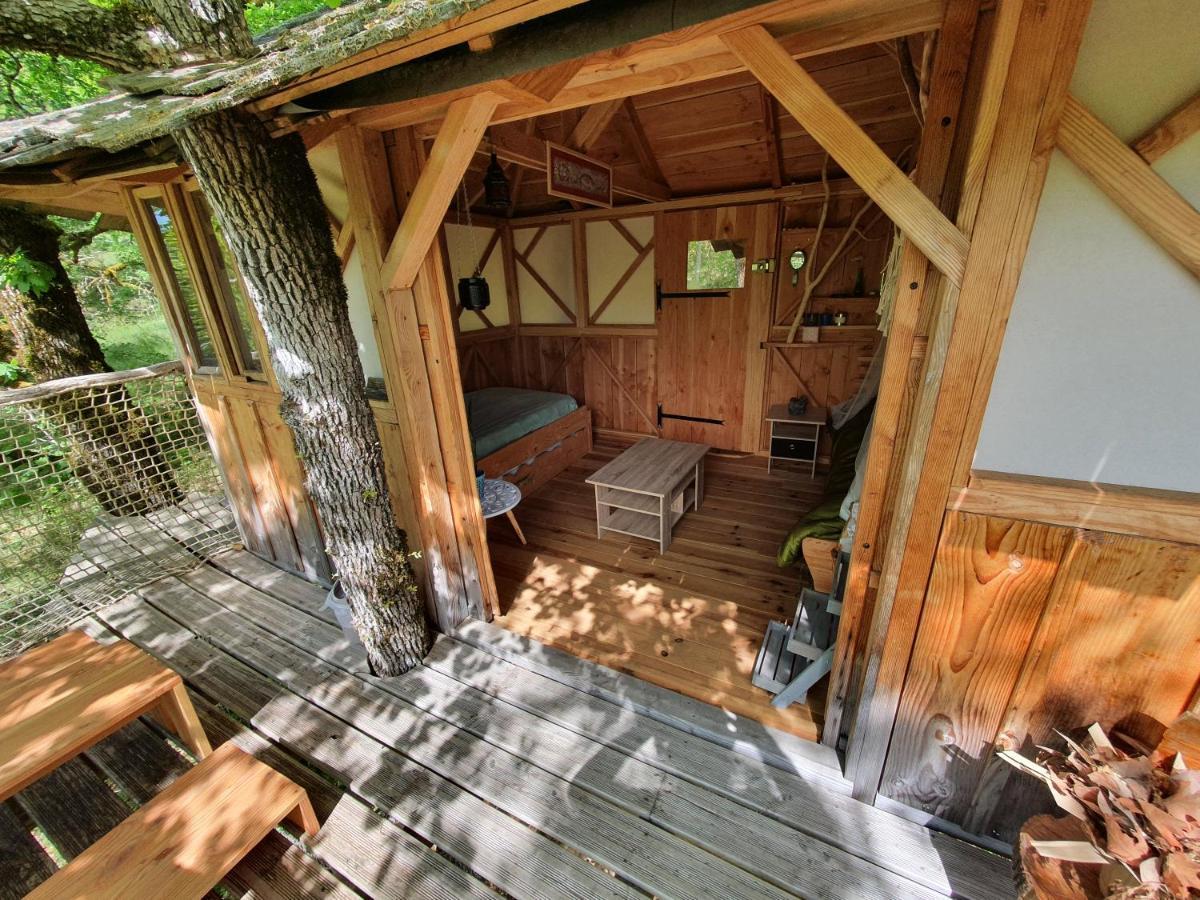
{"x": 609, "y": 255}
{"x": 1098, "y": 373}
{"x": 554, "y": 259}
{"x": 328, "y": 169}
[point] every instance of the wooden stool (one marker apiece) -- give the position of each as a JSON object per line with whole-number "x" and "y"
{"x": 61, "y": 698}
{"x": 186, "y": 839}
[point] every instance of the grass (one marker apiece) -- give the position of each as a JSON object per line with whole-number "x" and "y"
{"x": 130, "y": 343}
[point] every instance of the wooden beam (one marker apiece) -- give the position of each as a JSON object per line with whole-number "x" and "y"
{"x": 1172, "y": 131}
{"x": 684, "y": 57}
{"x": 544, "y": 84}
{"x": 1145, "y": 512}
{"x": 936, "y": 236}
{"x": 1129, "y": 182}
{"x": 962, "y": 356}
{"x": 916, "y": 289}
{"x": 478, "y": 22}
{"x": 596, "y": 118}
{"x": 770, "y": 115}
{"x": 482, "y": 43}
{"x": 453, "y": 150}
{"x": 636, "y": 135}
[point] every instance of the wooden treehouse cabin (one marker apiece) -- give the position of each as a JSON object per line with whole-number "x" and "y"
{"x": 963, "y": 234}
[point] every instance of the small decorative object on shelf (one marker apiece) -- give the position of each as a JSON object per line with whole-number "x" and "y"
{"x": 797, "y": 406}
{"x": 839, "y": 319}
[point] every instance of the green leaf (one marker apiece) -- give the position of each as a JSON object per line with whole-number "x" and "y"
{"x": 28, "y": 276}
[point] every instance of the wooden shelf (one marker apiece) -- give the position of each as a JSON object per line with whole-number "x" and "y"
{"x": 619, "y": 499}
{"x": 633, "y": 523}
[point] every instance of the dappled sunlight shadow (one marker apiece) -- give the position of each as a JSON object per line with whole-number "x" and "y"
{"x": 690, "y": 620}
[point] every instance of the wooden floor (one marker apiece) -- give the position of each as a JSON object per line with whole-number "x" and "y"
{"x": 498, "y": 765}
{"x": 691, "y": 619}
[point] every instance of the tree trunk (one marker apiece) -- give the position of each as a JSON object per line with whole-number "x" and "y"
{"x": 112, "y": 446}
{"x": 266, "y": 198}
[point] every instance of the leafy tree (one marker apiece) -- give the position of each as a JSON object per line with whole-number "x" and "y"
{"x": 265, "y": 196}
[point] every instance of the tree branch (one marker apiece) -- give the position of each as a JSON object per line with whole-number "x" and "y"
{"x": 124, "y": 37}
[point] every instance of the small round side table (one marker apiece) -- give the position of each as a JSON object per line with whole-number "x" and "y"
{"x": 501, "y": 498}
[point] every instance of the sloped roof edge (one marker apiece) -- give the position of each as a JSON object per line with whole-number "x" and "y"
{"x": 123, "y": 119}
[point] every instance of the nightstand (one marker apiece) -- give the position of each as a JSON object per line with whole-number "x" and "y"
{"x": 795, "y": 438}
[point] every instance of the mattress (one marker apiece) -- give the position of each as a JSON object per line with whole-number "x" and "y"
{"x": 498, "y": 416}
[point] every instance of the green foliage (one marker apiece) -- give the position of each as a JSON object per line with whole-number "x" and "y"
{"x": 31, "y": 83}
{"x": 715, "y": 265}
{"x": 25, "y": 275}
{"x": 263, "y": 15}
{"x": 12, "y": 374}
{"x": 130, "y": 343}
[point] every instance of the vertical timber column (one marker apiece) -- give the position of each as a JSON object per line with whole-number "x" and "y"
{"x": 1044, "y": 49}
{"x": 373, "y": 217}
{"x": 433, "y": 310}
{"x": 916, "y": 290}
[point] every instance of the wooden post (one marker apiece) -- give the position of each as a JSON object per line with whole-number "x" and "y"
{"x": 363, "y": 160}
{"x": 435, "y": 327}
{"x": 453, "y": 150}
{"x": 915, "y": 292}
{"x": 962, "y": 356}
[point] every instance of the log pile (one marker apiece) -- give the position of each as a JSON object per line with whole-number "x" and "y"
{"x": 1132, "y": 829}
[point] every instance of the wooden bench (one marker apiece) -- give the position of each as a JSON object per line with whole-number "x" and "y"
{"x": 187, "y": 838}
{"x": 62, "y": 697}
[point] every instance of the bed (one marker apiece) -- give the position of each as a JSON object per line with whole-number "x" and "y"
{"x": 525, "y": 436}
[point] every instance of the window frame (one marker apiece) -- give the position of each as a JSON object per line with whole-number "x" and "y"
{"x": 224, "y": 306}
{"x": 176, "y": 306}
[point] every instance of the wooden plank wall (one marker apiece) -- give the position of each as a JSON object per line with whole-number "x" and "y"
{"x": 615, "y": 373}
{"x": 1028, "y": 629}
{"x": 613, "y": 376}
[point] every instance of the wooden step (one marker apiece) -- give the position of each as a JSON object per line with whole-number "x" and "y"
{"x": 182, "y": 842}
{"x": 811, "y": 629}
{"x": 775, "y": 665}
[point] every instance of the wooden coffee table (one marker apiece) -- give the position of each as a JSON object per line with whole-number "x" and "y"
{"x": 648, "y": 488}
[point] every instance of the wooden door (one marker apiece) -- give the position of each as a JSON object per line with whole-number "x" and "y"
{"x": 711, "y": 363}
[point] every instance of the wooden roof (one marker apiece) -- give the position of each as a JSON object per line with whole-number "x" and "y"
{"x": 722, "y": 135}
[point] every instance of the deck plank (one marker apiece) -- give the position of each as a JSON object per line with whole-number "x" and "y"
{"x": 536, "y": 772}
{"x": 811, "y": 802}
{"x": 23, "y": 864}
{"x": 653, "y": 858}
{"x": 514, "y": 857}
{"x": 683, "y": 807}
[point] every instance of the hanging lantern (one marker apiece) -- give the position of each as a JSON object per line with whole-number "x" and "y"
{"x": 496, "y": 193}
{"x": 474, "y": 293}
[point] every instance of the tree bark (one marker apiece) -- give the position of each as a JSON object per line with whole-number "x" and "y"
{"x": 266, "y": 198}
{"x": 123, "y": 36}
{"x": 113, "y": 449}
{"x": 205, "y": 29}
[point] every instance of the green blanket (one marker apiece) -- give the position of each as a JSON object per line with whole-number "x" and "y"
{"x": 824, "y": 520}
{"x": 497, "y": 416}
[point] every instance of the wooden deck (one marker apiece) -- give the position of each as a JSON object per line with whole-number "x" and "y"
{"x": 497, "y": 765}
{"x": 690, "y": 619}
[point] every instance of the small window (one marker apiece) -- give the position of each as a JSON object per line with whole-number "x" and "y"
{"x": 716, "y": 265}
{"x": 230, "y": 286}
{"x": 196, "y": 335}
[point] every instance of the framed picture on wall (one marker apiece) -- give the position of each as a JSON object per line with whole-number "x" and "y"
{"x": 574, "y": 176}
